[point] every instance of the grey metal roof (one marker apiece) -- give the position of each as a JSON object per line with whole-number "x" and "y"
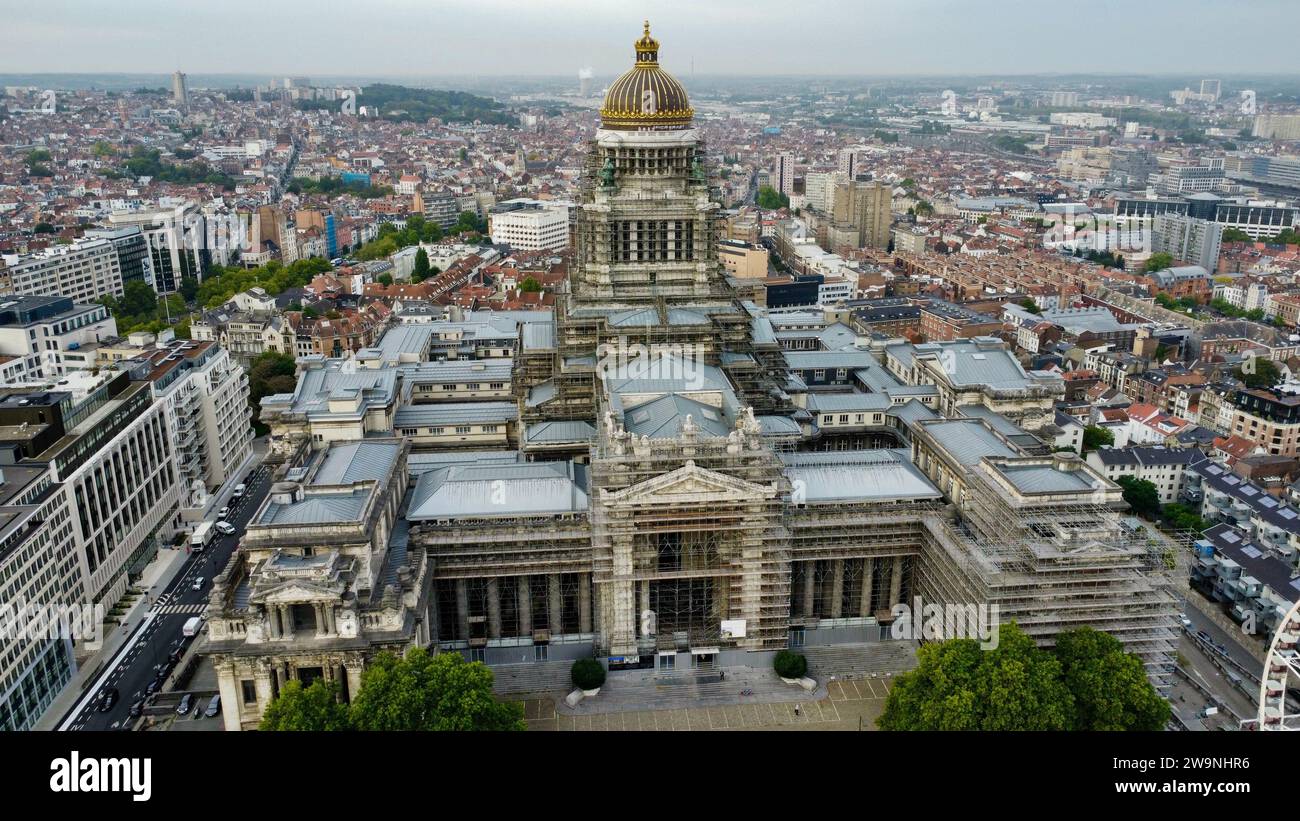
{"x": 539, "y": 336}
{"x": 498, "y": 490}
{"x": 453, "y": 413}
{"x": 968, "y": 441}
{"x": 847, "y": 402}
{"x": 857, "y": 475}
{"x": 560, "y": 432}
{"x": 663, "y": 417}
{"x": 913, "y": 411}
{"x": 406, "y": 342}
{"x": 812, "y": 360}
{"x": 357, "y": 462}
{"x": 318, "y": 508}
{"x": 778, "y": 425}
{"x": 1045, "y": 479}
{"x": 460, "y": 370}
{"x": 337, "y": 379}
{"x": 419, "y": 462}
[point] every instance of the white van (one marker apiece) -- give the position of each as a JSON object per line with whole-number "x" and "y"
{"x": 239, "y": 491}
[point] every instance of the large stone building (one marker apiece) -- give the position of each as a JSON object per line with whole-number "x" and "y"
{"x": 681, "y": 491}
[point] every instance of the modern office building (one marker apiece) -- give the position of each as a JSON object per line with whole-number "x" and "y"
{"x": 530, "y": 228}
{"x": 86, "y": 270}
{"x": 44, "y": 337}
{"x": 177, "y": 242}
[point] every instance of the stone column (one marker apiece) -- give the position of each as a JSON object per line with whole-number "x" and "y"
{"x": 837, "y": 588}
{"x": 331, "y": 626}
{"x": 494, "y": 608}
{"x": 354, "y": 678}
{"x": 262, "y": 684}
{"x": 232, "y": 699}
{"x": 462, "y": 608}
{"x": 525, "y": 606}
{"x": 273, "y": 620}
{"x": 555, "y": 604}
{"x": 319, "y": 610}
{"x": 896, "y": 582}
{"x": 286, "y": 621}
{"x": 809, "y": 588}
{"x": 584, "y": 603}
{"x": 864, "y": 600}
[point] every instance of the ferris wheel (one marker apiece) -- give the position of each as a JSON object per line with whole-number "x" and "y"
{"x": 1281, "y": 671}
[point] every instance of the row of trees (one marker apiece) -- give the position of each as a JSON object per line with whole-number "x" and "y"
{"x": 390, "y": 239}
{"x": 221, "y": 284}
{"x": 1087, "y": 682}
{"x": 140, "y": 308}
{"x": 418, "y": 692}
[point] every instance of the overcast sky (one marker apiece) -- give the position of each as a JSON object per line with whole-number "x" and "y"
{"x": 556, "y": 37}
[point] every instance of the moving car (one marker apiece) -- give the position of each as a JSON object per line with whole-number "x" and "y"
{"x": 108, "y": 699}
{"x": 198, "y": 584}
{"x": 224, "y": 512}
{"x": 214, "y": 707}
{"x": 187, "y": 701}
{"x": 238, "y": 492}
{"x": 225, "y": 528}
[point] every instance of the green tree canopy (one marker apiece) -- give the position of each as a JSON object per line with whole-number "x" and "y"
{"x": 1141, "y": 495}
{"x": 530, "y": 285}
{"x": 1095, "y": 436}
{"x": 1110, "y": 687}
{"x": 1258, "y": 372}
{"x": 421, "y": 271}
{"x": 424, "y": 692}
{"x": 959, "y": 686}
{"x": 771, "y": 199}
{"x": 1158, "y": 262}
{"x": 311, "y": 709}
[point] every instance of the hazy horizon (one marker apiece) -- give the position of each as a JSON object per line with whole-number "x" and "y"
{"x": 725, "y": 38}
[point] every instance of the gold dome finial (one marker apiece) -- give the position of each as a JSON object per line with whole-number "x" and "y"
{"x": 647, "y": 48}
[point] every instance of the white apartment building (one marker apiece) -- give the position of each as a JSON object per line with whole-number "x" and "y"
{"x": 205, "y": 399}
{"x": 531, "y": 229}
{"x": 819, "y": 191}
{"x": 85, "y": 270}
{"x": 49, "y": 336}
{"x": 1245, "y": 296}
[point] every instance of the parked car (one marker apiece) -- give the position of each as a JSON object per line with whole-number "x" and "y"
{"x": 153, "y": 686}
{"x": 214, "y": 707}
{"x": 225, "y": 528}
{"x": 108, "y": 699}
{"x": 223, "y": 513}
{"x": 1186, "y": 621}
{"x": 1203, "y": 636}
{"x": 137, "y": 707}
{"x": 187, "y": 701}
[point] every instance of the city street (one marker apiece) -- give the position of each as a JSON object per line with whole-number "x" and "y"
{"x": 159, "y": 632}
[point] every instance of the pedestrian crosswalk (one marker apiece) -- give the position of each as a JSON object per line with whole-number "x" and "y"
{"x": 187, "y": 609}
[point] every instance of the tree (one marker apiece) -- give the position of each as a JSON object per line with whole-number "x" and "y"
{"x": 789, "y": 664}
{"x": 1110, "y": 687}
{"x": 1235, "y": 235}
{"x": 1158, "y": 262}
{"x": 1258, "y": 372}
{"x": 421, "y": 271}
{"x": 1030, "y": 306}
{"x": 587, "y": 674}
{"x": 1095, "y": 436}
{"x": 1141, "y": 495}
{"x": 189, "y": 288}
{"x": 530, "y": 285}
{"x": 311, "y": 709}
{"x": 957, "y": 685}
{"x": 770, "y": 199}
{"x": 424, "y": 692}
{"x": 385, "y": 279}
{"x": 1182, "y": 517}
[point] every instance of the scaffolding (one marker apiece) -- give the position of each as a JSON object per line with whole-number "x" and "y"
{"x": 1056, "y": 564}
{"x": 688, "y": 533}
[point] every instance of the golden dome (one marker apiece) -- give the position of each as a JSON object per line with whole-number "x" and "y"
{"x": 646, "y": 96}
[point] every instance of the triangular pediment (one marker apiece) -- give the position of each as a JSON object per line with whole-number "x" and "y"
{"x": 691, "y": 483}
{"x": 293, "y": 592}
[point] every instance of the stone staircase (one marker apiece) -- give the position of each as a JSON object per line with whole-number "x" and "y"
{"x": 859, "y": 660}
{"x": 541, "y": 677}
{"x": 633, "y": 690}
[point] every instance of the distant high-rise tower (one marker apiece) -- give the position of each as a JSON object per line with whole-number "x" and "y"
{"x": 1211, "y": 88}
{"x": 783, "y": 174}
{"x": 584, "y": 81}
{"x": 180, "y": 92}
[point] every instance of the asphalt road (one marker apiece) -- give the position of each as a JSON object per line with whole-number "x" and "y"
{"x": 159, "y": 632}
